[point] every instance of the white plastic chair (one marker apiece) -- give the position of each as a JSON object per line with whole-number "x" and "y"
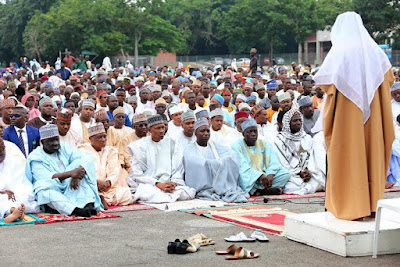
{"x": 392, "y": 204}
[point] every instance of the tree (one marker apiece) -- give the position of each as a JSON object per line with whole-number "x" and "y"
{"x": 305, "y": 19}
{"x": 254, "y": 23}
{"x": 34, "y": 41}
{"x": 68, "y": 25}
{"x": 15, "y": 15}
{"x": 195, "y": 19}
{"x": 380, "y": 17}
{"x": 149, "y": 32}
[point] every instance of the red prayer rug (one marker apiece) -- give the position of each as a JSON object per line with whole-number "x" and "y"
{"x": 266, "y": 219}
{"x": 130, "y": 207}
{"x": 54, "y": 218}
{"x": 318, "y": 194}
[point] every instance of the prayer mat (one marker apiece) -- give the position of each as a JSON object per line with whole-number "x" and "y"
{"x": 130, "y": 207}
{"x": 257, "y": 217}
{"x": 28, "y": 219}
{"x": 54, "y": 218}
{"x": 318, "y": 194}
{"x": 189, "y": 204}
{"x": 285, "y": 196}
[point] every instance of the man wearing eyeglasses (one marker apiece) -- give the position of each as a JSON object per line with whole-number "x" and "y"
{"x": 26, "y": 137}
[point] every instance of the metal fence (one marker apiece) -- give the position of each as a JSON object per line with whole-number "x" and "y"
{"x": 212, "y": 60}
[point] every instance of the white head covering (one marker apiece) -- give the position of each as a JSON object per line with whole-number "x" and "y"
{"x": 355, "y": 64}
{"x": 286, "y": 132}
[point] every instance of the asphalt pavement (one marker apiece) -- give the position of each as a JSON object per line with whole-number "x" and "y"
{"x": 141, "y": 238}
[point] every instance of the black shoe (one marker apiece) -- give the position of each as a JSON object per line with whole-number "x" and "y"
{"x": 81, "y": 212}
{"x": 47, "y": 209}
{"x": 181, "y": 248}
{"x": 89, "y": 206}
{"x": 172, "y": 246}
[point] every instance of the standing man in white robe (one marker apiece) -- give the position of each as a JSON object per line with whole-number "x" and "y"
{"x": 155, "y": 173}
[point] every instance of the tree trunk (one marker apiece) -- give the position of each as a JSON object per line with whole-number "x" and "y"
{"x": 299, "y": 54}
{"x": 271, "y": 52}
{"x": 123, "y": 54}
{"x": 39, "y": 56}
{"x": 136, "y": 52}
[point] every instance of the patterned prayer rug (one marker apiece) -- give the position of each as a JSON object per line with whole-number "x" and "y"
{"x": 54, "y": 218}
{"x": 258, "y": 217}
{"x": 131, "y": 207}
{"x": 318, "y": 194}
{"x": 28, "y": 219}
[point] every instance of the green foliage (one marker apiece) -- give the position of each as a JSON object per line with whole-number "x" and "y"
{"x": 15, "y": 15}
{"x": 44, "y": 27}
{"x": 380, "y": 17}
{"x": 103, "y": 26}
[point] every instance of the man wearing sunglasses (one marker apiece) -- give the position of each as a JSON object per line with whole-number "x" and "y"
{"x": 26, "y": 137}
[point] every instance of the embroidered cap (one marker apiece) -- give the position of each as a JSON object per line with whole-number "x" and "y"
{"x": 48, "y": 131}
{"x": 247, "y": 124}
{"x": 188, "y": 115}
{"x": 154, "y": 120}
{"x": 98, "y": 128}
{"x": 305, "y": 100}
{"x": 201, "y": 122}
{"x": 139, "y": 118}
{"x": 64, "y": 114}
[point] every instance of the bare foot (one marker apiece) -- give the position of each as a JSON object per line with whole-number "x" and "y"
{"x": 15, "y": 213}
{"x": 104, "y": 202}
{"x": 22, "y": 210}
{"x": 388, "y": 185}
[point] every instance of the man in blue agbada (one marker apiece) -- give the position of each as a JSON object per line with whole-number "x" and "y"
{"x": 212, "y": 169}
{"x": 63, "y": 178}
{"x": 260, "y": 170}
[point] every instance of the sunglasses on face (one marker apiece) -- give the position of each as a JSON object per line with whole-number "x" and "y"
{"x": 15, "y": 116}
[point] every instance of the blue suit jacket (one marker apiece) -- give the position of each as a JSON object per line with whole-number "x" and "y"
{"x": 128, "y": 122}
{"x": 10, "y": 134}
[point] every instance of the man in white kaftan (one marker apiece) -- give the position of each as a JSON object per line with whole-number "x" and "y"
{"x": 12, "y": 178}
{"x": 155, "y": 175}
{"x": 294, "y": 148}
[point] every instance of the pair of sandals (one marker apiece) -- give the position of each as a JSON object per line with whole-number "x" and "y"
{"x": 201, "y": 240}
{"x": 241, "y": 237}
{"x": 183, "y": 247}
{"x": 239, "y": 253}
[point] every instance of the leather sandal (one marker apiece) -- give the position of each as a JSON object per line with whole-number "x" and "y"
{"x": 230, "y": 250}
{"x": 242, "y": 254}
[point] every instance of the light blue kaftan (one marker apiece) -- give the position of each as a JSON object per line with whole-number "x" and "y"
{"x": 394, "y": 165}
{"x": 255, "y": 161}
{"x": 40, "y": 168}
{"x": 214, "y": 172}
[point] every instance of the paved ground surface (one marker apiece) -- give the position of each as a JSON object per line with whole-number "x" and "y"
{"x": 141, "y": 237}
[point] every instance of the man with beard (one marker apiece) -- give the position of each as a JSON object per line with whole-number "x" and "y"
{"x": 46, "y": 113}
{"x": 211, "y": 169}
{"x": 294, "y": 148}
{"x": 310, "y": 115}
{"x": 260, "y": 171}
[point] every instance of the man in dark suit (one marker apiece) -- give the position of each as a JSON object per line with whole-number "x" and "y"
{"x": 26, "y": 137}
